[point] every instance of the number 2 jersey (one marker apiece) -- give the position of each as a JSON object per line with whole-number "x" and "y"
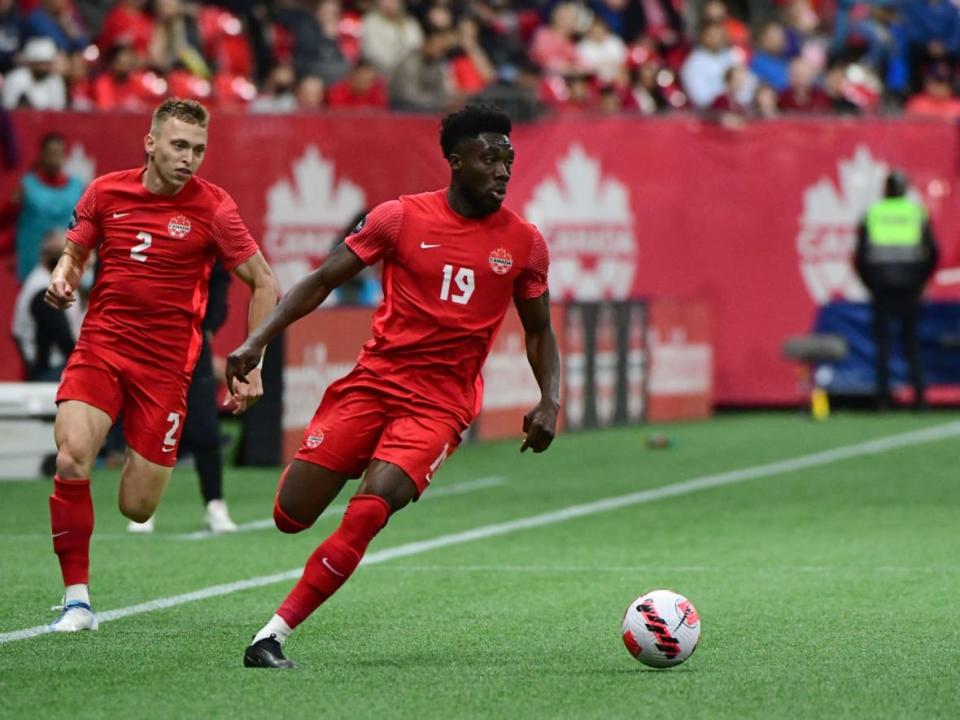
{"x": 155, "y": 256}
{"x": 448, "y": 282}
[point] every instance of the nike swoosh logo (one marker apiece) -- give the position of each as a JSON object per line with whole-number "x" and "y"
{"x": 56, "y": 535}
{"x": 329, "y": 567}
{"x": 120, "y": 215}
{"x": 424, "y": 246}
{"x": 166, "y": 449}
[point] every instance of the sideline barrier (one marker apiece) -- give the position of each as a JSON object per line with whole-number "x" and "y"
{"x": 759, "y": 223}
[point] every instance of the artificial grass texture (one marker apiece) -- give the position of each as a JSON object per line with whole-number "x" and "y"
{"x": 823, "y": 593}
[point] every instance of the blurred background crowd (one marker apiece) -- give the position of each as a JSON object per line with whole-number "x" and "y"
{"x": 736, "y": 58}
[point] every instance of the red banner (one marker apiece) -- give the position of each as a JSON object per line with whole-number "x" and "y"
{"x": 679, "y": 338}
{"x": 758, "y": 223}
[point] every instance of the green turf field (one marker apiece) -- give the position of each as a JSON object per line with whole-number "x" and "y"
{"x": 824, "y": 592}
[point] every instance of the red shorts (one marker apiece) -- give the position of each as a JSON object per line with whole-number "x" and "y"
{"x": 153, "y": 400}
{"x": 356, "y": 424}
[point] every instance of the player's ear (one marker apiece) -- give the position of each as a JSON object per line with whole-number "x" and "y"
{"x": 455, "y": 161}
{"x": 149, "y": 144}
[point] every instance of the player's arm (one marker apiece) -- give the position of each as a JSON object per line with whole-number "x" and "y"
{"x": 65, "y": 279}
{"x": 255, "y": 272}
{"x": 540, "y": 424}
{"x": 302, "y": 298}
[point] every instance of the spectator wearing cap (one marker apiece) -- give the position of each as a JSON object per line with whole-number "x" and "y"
{"x": 43, "y": 200}
{"x": 362, "y": 88}
{"x": 55, "y": 19}
{"x": 10, "y": 32}
{"x": 937, "y": 99}
{"x": 35, "y": 84}
{"x": 388, "y": 35}
{"x": 803, "y": 96}
{"x": 703, "y": 71}
{"x": 769, "y": 62}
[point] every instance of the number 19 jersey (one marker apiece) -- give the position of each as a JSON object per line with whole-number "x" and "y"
{"x": 448, "y": 282}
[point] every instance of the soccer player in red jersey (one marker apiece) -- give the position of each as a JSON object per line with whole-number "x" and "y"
{"x": 453, "y": 261}
{"x": 157, "y": 231}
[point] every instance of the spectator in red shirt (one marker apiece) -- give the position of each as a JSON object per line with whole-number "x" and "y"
{"x": 362, "y": 88}
{"x": 937, "y": 99}
{"x": 803, "y": 95}
{"x": 122, "y": 87}
{"x": 127, "y": 24}
{"x": 553, "y": 48}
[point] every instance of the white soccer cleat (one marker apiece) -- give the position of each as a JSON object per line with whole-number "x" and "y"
{"x": 218, "y": 519}
{"x": 145, "y": 527}
{"x": 75, "y": 616}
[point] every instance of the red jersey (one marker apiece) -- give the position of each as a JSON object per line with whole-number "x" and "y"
{"x": 155, "y": 253}
{"x": 448, "y": 281}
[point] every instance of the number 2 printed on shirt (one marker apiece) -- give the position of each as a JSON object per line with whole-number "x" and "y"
{"x": 464, "y": 280}
{"x": 137, "y": 251}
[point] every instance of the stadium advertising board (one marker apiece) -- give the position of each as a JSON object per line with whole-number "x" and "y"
{"x": 750, "y": 220}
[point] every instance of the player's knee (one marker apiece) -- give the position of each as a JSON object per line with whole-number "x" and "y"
{"x": 284, "y": 522}
{"x": 72, "y": 462}
{"x": 138, "y": 509}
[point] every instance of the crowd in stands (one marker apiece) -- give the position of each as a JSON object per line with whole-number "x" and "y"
{"x": 733, "y": 59}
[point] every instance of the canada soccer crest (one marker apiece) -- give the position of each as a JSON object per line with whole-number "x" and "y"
{"x": 500, "y": 261}
{"x": 178, "y": 227}
{"x": 315, "y": 440}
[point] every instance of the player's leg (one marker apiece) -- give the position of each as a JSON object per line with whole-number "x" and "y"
{"x": 88, "y": 401}
{"x": 304, "y": 492}
{"x": 910, "y": 332}
{"x": 142, "y": 484}
{"x": 79, "y": 430}
{"x": 154, "y": 409}
{"x": 409, "y": 452}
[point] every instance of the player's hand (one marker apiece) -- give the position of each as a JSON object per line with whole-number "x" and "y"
{"x": 245, "y": 394}
{"x": 59, "y": 294}
{"x": 239, "y": 363}
{"x": 540, "y": 425}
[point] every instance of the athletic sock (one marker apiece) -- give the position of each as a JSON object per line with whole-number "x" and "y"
{"x": 71, "y": 523}
{"x": 277, "y": 627}
{"x": 334, "y": 561}
{"x": 78, "y": 593}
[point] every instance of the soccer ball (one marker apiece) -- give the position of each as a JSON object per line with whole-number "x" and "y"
{"x": 661, "y": 629}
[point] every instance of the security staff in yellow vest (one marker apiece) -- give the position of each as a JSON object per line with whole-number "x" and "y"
{"x": 895, "y": 257}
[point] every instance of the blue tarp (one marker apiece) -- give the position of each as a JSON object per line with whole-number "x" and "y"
{"x": 939, "y": 347}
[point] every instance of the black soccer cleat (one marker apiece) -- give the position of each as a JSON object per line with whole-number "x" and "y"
{"x": 267, "y": 653}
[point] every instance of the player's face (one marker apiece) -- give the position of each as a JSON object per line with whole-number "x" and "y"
{"x": 484, "y": 170}
{"x": 177, "y": 149}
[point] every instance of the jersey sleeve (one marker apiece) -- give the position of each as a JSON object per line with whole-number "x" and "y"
{"x": 233, "y": 241}
{"x": 84, "y": 227}
{"x": 376, "y": 235}
{"x": 532, "y": 282}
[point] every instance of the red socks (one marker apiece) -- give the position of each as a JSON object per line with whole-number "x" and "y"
{"x": 337, "y": 557}
{"x": 71, "y": 523}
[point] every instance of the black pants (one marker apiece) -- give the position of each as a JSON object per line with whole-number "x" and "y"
{"x": 906, "y": 310}
{"x": 201, "y": 428}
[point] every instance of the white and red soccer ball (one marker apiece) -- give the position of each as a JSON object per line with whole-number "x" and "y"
{"x": 661, "y": 628}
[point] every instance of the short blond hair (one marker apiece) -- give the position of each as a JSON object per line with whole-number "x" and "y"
{"x": 189, "y": 111}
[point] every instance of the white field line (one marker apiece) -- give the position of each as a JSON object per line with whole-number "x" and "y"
{"x": 782, "y": 467}
{"x": 733, "y": 569}
{"x": 338, "y": 510}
